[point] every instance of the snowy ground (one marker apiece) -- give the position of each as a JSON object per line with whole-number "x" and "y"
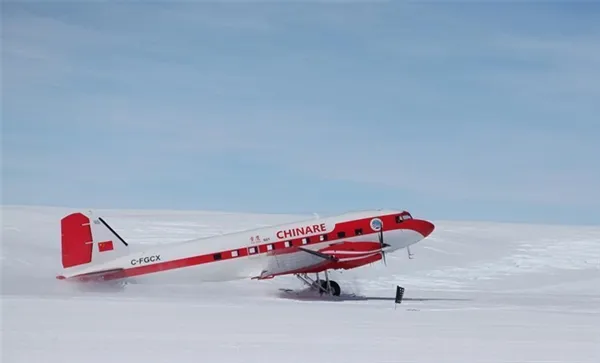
{"x": 475, "y": 292}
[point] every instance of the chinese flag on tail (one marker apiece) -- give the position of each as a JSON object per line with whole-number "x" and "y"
{"x": 105, "y": 246}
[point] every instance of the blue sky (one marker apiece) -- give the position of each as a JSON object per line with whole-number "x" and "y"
{"x": 451, "y": 111}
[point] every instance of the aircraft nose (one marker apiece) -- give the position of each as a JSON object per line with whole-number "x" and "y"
{"x": 424, "y": 227}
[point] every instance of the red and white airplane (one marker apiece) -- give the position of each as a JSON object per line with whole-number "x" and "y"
{"x": 92, "y": 250}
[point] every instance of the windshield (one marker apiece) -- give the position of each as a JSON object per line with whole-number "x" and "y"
{"x": 403, "y": 217}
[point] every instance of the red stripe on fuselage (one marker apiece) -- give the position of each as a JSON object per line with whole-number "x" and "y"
{"x": 341, "y": 231}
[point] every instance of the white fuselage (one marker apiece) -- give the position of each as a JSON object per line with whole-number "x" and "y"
{"x": 245, "y": 254}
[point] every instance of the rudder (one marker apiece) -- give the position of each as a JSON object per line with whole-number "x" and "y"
{"x": 76, "y": 240}
{"x": 86, "y": 240}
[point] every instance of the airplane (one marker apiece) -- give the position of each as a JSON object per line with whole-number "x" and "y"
{"x": 92, "y": 250}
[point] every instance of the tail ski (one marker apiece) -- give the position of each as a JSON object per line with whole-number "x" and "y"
{"x": 88, "y": 241}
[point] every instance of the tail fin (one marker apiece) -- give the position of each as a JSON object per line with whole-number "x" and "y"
{"x": 88, "y": 240}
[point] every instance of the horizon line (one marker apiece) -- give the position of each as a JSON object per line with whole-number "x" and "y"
{"x": 283, "y": 213}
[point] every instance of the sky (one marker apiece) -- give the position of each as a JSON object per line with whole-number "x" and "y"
{"x": 454, "y": 111}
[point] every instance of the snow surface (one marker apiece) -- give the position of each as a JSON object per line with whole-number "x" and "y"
{"x": 475, "y": 292}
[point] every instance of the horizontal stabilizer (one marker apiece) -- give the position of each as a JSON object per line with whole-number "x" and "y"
{"x": 98, "y": 275}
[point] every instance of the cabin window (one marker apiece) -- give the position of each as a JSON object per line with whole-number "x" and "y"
{"x": 234, "y": 253}
{"x": 252, "y": 250}
{"x": 358, "y": 231}
{"x": 341, "y": 234}
{"x": 217, "y": 256}
{"x": 399, "y": 219}
{"x": 269, "y": 247}
{"x": 288, "y": 244}
{"x": 323, "y": 237}
{"x": 304, "y": 241}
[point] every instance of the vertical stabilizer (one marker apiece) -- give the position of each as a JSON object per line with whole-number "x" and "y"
{"x": 88, "y": 240}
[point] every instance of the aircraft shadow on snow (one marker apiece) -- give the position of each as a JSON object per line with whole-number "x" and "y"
{"x": 299, "y": 295}
{"x": 312, "y": 295}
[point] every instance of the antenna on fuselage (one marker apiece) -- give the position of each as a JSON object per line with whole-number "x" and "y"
{"x": 410, "y": 254}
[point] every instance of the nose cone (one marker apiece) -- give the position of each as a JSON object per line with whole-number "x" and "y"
{"x": 424, "y": 228}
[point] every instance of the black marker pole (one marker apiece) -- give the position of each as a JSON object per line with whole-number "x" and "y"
{"x": 399, "y": 296}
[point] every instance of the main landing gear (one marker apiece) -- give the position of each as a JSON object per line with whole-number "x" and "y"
{"x": 326, "y": 286}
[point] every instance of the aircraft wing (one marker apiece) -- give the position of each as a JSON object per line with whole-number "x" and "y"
{"x": 295, "y": 260}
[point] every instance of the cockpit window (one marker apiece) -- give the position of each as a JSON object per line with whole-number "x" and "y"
{"x": 403, "y": 217}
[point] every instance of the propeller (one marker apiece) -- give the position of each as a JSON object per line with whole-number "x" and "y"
{"x": 382, "y": 244}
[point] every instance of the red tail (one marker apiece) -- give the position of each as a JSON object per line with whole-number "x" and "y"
{"x": 76, "y": 240}
{"x": 88, "y": 243}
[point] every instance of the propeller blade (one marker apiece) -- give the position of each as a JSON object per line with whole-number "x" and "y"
{"x": 382, "y": 245}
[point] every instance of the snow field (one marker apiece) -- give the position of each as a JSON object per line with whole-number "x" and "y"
{"x": 475, "y": 292}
